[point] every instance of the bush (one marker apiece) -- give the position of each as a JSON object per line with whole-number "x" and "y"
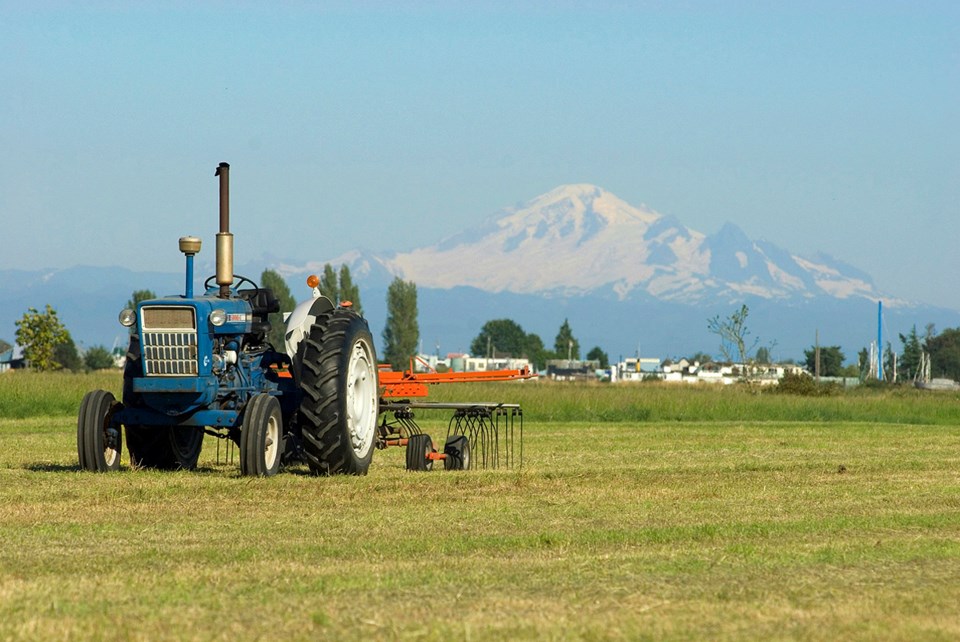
{"x": 98, "y": 358}
{"x": 804, "y": 385}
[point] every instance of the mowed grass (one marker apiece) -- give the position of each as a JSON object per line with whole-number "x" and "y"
{"x": 673, "y": 528}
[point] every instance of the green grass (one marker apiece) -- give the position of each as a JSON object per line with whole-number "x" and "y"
{"x": 27, "y": 394}
{"x": 670, "y": 527}
{"x": 669, "y": 402}
{"x": 32, "y": 394}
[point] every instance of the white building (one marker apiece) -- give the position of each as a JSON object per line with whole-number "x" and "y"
{"x": 458, "y": 362}
{"x": 635, "y": 369}
{"x": 684, "y": 371}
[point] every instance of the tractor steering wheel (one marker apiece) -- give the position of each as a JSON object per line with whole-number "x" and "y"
{"x": 237, "y": 279}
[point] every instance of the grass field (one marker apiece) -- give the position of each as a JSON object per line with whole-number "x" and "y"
{"x": 659, "y": 513}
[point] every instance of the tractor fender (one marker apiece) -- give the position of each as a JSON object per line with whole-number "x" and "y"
{"x": 301, "y": 319}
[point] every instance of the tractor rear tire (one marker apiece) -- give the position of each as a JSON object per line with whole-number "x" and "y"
{"x": 99, "y": 445}
{"x": 338, "y": 379}
{"x": 457, "y": 450}
{"x": 261, "y": 437}
{"x": 419, "y": 447}
{"x": 186, "y": 442}
{"x": 164, "y": 448}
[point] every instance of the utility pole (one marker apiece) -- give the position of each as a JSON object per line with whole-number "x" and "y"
{"x": 816, "y": 355}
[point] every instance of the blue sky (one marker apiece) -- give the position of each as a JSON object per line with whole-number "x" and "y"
{"x": 826, "y": 126}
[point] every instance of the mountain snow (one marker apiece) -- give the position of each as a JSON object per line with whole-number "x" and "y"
{"x": 581, "y": 238}
{"x": 577, "y": 240}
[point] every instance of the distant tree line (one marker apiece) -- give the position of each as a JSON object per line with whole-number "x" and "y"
{"x": 943, "y": 351}
{"x": 47, "y": 344}
{"x": 506, "y": 338}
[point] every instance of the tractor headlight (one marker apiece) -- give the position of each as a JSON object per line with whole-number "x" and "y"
{"x": 127, "y": 318}
{"x": 218, "y": 317}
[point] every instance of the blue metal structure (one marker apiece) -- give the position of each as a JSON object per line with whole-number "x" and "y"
{"x": 198, "y": 373}
{"x": 880, "y": 340}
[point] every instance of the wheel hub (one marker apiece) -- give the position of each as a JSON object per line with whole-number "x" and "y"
{"x": 272, "y": 442}
{"x": 361, "y": 401}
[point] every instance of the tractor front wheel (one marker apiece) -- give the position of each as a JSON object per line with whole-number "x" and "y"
{"x": 338, "y": 379}
{"x": 98, "y": 443}
{"x": 260, "y": 437}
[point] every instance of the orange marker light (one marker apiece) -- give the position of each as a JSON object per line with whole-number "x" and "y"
{"x": 313, "y": 281}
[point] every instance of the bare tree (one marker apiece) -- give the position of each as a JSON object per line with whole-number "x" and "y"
{"x": 733, "y": 333}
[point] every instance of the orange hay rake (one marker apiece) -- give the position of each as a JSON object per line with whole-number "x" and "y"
{"x": 480, "y": 434}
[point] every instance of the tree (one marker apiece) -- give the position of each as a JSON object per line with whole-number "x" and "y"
{"x": 98, "y": 358}
{"x": 908, "y": 362}
{"x": 138, "y": 296}
{"x": 65, "y": 353}
{"x": 328, "y": 284}
{"x": 850, "y": 372}
{"x": 831, "y": 360}
{"x": 734, "y": 335}
{"x": 763, "y": 355}
{"x": 4, "y": 346}
{"x": 565, "y": 345}
{"x": 39, "y": 333}
{"x": 891, "y": 364}
{"x": 863, "y": 363}
{"x": 944, "y": 350}
{"x": 274, "y": 282}
{"x": 342, "y": 290}
{"x": 503, "y": 336}
{"x": 537, "y": 353}
{"x": 402, "y": 331}
{"x": 596, "y": 354}
{"x": 348, "y": 290}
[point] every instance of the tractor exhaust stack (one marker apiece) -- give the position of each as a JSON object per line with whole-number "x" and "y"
{"x": 224, "y": 237}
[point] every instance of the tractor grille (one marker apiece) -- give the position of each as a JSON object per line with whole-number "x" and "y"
{"x": 169, "y": 341}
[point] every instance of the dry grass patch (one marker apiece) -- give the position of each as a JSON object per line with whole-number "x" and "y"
{"x": 615, "y": 530}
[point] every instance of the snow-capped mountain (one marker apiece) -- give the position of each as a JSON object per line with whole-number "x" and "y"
{"x": 581, "y": 238}
{"x": 622, "y": 275}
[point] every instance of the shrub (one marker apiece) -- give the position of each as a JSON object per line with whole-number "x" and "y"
{"x": 98, "y": 358}
{"x": 805, "y": 386}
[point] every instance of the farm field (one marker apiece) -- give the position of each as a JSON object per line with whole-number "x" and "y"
{"x": 644, "y": 512}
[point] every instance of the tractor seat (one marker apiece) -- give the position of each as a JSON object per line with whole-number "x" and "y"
{"x": 262, "y": 303}
{"x": 261, "y": 300}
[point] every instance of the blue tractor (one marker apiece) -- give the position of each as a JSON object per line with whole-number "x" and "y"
{"x": 201, "y": 364}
